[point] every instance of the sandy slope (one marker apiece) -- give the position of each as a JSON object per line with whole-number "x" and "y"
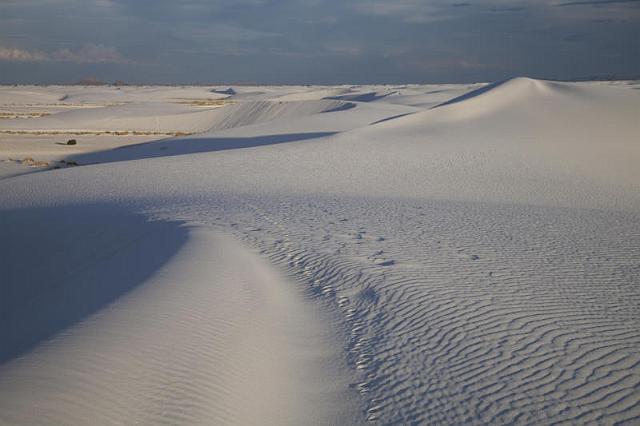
{"x": 572, "y": 148}
{"x": 167, "y": 117}
{"x": 213, "y": 337}
{"x": 471, "y": 259}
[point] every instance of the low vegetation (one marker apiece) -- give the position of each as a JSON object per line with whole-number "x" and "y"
{"x": 13, "y": 115}
{"x": 205, "y": 102}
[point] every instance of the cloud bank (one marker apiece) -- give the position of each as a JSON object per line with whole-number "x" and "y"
{"x": 87, "y": 54}
{"x": 317, "y": 41}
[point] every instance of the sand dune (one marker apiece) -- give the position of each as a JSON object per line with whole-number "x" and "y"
{"x": 136, "y": 117}
{"x": 404, "y": 255}
{"x": 169, "y": 117}
{"x": 537, "y": 150}
{"x": 214, "y": 337}
{"x": 248, "y": 113}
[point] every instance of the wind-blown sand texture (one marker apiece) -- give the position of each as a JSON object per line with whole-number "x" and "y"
{"x": 438, "y": 254}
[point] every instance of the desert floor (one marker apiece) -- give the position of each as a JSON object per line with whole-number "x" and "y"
{"x": 415, "y": 254}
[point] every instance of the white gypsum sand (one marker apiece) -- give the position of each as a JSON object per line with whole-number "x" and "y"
{"x": 455, "y": 254}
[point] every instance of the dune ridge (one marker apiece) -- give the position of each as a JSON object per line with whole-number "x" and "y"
{"x": 216, "y": 336}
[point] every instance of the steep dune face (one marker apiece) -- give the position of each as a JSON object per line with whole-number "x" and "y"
{"x": 247, "y": 113}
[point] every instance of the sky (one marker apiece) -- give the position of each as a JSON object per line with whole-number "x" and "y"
{"x": 316, "y": 41}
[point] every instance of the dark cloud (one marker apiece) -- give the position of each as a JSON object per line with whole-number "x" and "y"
{"x": 315, "y": 41}
{"x": 596, "y": 2}
{"x": 508, "y": 9}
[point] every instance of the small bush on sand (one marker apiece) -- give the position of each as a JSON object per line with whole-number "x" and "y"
{"x": 72, "y": 142}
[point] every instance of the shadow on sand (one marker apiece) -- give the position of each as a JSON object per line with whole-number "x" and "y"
{"x": 191, "y": 145}
{"x": 60, "y": 265}
{"x": 471, "y": 94}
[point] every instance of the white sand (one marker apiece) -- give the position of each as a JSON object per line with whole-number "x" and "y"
{"x": 213, "y": 337}
{"x": 399, "y": 254}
